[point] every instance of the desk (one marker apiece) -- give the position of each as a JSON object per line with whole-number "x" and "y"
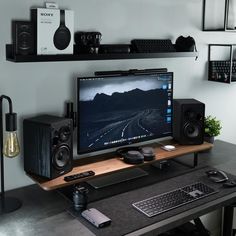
{"x": 43, "y": 213}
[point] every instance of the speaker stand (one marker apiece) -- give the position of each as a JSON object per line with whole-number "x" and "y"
{"x": 9, "y": 204}
{"x": 195, "y": 161}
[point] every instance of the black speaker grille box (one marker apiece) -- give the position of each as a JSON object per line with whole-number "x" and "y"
{"x": 188, "y": 121}
{"x": 23, "y": 38}
{"x": 48, "y": 145}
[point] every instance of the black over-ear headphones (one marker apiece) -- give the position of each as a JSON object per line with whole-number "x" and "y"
{"x": 185, "y": 44}
{"x": 136, "y": 155}
{"x": 62, "y": 36}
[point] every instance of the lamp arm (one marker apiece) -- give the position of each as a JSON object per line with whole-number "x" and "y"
{"x": 9, "y": 102}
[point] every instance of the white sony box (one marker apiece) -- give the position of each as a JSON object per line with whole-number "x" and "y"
{"x": 54, "y": 30}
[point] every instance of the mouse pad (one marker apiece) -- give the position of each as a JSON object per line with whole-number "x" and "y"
{"x": 126, "y": 219}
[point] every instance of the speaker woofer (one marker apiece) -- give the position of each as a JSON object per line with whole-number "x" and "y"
{"x": 192, "y": 130}
{"x": 61, "y": 157}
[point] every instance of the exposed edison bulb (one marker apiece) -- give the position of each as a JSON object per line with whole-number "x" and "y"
{"x": 11, "y": 147}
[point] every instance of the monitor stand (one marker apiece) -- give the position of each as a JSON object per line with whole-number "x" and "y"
{"x": 116, "y": 178}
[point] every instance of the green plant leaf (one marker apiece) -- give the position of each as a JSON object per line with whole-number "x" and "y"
{"x": 212, "y": 126}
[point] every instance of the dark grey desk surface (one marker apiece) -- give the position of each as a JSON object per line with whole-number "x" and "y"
{"x": 44, "y": 213}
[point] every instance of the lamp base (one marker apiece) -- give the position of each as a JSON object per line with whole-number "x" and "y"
{"x": 10, "y": 204}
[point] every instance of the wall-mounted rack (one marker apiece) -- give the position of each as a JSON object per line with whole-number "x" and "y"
{"x": 87, "y": 57}
{"x": 225, "y": 23}
{"x": 222, "y": 70}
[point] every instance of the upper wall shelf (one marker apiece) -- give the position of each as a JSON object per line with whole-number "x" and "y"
{"x": 87, "y": 57}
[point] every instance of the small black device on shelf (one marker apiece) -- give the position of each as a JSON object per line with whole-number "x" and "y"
{"x": 23, "y": 38}
{"x": 114, "y": 48}
{"x": 87, "y": 42}
{"x": 152, "y": 45}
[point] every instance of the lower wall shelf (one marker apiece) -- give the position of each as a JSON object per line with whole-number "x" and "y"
{"x": 112, "y": 165}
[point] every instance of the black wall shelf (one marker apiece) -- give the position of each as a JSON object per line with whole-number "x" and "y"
{"x": 87, "y": 57}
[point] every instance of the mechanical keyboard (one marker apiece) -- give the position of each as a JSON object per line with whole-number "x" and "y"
{"x": 173, "y": 199}
{"x": 152, "y": 45}
{"x": 220, "y": 71}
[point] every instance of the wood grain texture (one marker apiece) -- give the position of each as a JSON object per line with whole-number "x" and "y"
{"x": 105, "y": 167}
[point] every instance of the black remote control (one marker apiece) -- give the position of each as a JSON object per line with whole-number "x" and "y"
{"x": 79, "y": 176}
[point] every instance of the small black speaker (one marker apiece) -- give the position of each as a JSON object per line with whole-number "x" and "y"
{"x": 188, "y": 121}
{"x": 48, "y": 145}
{"x": 23, "y": 38}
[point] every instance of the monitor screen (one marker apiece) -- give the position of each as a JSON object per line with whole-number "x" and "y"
{"x": 114, "y": 111}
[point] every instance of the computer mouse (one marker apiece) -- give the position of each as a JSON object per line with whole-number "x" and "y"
{"x": 217, "y": 176}
{"x": 169, "y": 148}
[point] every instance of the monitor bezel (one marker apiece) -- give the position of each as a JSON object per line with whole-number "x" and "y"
{"x": 128, "y": 143}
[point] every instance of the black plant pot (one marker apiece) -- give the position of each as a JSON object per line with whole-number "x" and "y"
{"x": 209, "y": 139}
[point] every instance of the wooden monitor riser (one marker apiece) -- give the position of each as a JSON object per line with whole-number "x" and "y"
{"x": 105, "y": 167}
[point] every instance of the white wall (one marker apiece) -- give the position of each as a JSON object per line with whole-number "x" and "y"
{"x": 43, "y": 87}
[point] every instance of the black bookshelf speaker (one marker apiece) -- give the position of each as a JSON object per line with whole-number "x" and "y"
{"x": 188, "y": 121}
{"x": 48, "y": 146}
{"x": 23, "y": 38}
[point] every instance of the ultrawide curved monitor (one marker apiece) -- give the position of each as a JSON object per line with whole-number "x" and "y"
{"x": 115, "y": 111}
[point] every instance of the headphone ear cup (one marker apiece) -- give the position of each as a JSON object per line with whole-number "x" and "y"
{"x": 62, "y": 38}
{"x": 131, "y": 155}
{"x": 148, "y": 153}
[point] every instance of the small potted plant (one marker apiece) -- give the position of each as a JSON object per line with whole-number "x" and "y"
{"x": 212, "y": 128}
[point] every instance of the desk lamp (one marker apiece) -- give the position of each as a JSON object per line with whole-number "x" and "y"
{"x": 9, "y": 148}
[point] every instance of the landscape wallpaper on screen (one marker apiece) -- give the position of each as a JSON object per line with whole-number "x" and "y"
{"x": 115, "y": 110}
